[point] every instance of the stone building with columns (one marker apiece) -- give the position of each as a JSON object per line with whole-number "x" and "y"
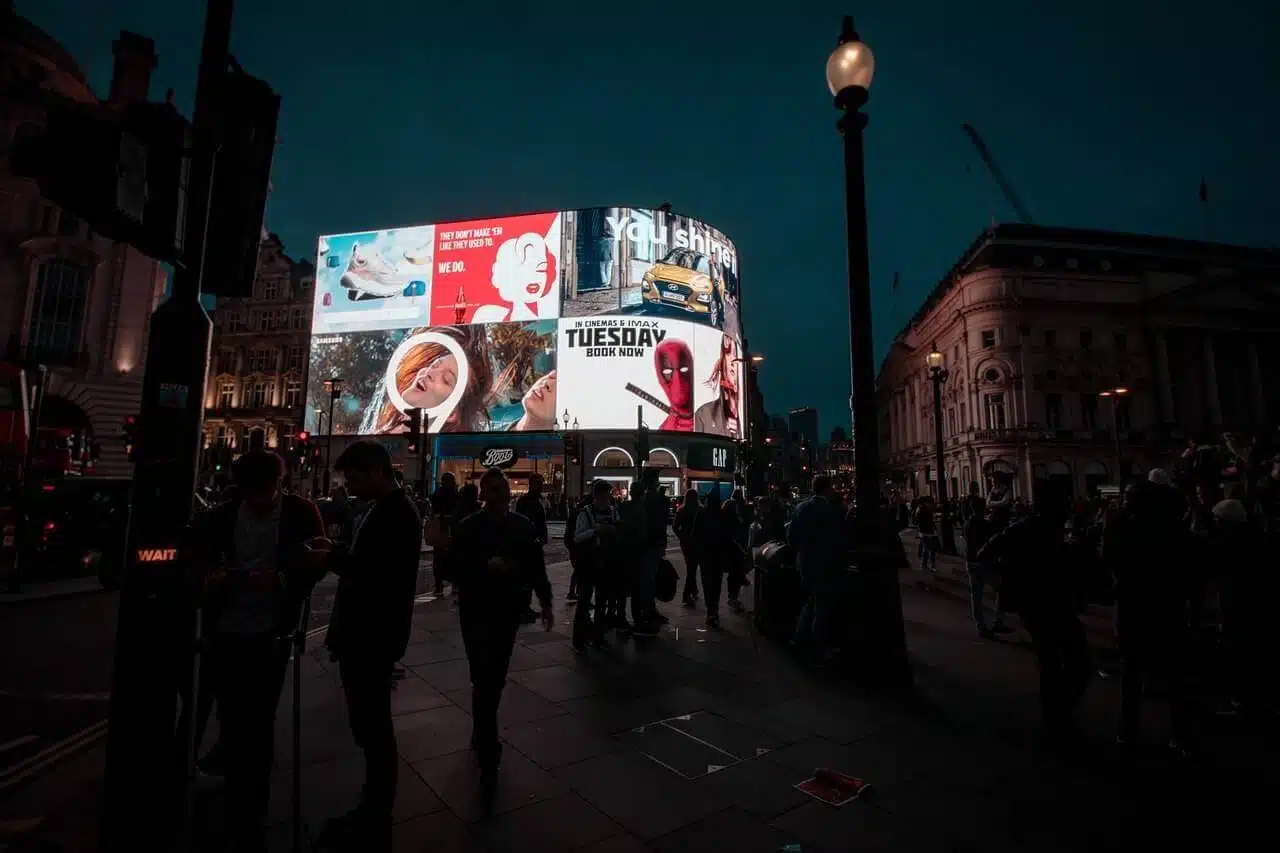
{"x": 74, "y": 302}
{"x": 1035, "y": 325}
{"x": 257, "y": 371}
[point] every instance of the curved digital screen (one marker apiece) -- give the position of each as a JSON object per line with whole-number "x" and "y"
{"x": 542, "y": 321}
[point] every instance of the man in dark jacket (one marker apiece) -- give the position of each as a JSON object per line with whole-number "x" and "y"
{"x": 530, "y": 506}
{"x": 369, "y": 628}
{"x": 977, "y": 530}
{"x": 657, "y": 515}
{"x": 255, "y": 555}
{"x": 498, "y": 556}
{"x": 444, "y": 505}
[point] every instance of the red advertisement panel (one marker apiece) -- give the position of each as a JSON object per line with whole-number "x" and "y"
{"x": 497, "y": 270}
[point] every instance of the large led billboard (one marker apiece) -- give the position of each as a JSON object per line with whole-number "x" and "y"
{"x": 531, "y": 322}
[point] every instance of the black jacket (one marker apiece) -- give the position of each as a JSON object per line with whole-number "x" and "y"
{"x": 531, "y": 508}
{"x": 212, "y": 539}
{"x": 482, "y": 589}
{"x": 377, "y": 582}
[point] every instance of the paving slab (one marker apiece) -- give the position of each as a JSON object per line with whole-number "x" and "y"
{"x": 519, "y": 704}
{"x": 455, "y": 779}
{"x": 731, "y": 829}
{"x": 740, "y": 740}
{"x": 677, "y": 751}
{"x": 565, "y": 822}
{"x": 557, "y": 741}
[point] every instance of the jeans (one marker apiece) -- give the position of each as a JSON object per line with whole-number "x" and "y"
{"x": 811, "y": 626}
{"x": 248, "y": 674}
{"x": 1064, "y": 659}
{"x": 690, "y": 572}
{"x": 590, "y": 622}
{"x": 489, "y": 636}
{"x": 929, "y": 547}
{"x": 642, "y": 602}
{"x": 1159, "y": 653}
{"x": 366, "y": 684}
{"x": 978, "y": 581}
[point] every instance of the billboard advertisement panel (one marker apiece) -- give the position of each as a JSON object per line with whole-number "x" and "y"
{"x": 530, "y": 322}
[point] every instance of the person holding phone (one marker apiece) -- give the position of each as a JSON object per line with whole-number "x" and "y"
{"x": 497, "y": 557}
{"x": 258, "y": 556}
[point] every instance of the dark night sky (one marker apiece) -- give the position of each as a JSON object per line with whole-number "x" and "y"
{"x": 1104, "y": 113}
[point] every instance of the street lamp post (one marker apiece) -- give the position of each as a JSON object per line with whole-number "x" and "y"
{"x": 939, "y": 375}
{"x": 334, "y": 387}
{"x": 1114, "y": 395}
{"x": 883, "y": 655}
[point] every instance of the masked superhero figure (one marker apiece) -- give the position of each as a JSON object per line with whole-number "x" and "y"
{"x": 673, "y": 362}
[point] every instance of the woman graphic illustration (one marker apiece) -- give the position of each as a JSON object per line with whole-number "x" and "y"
{"x": 443, "y": 370}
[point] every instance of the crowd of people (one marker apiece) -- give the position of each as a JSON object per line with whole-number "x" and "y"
{"x": 1180, "y": 557}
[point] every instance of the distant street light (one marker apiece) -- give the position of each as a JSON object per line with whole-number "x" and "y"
{"x": 939, "y": 375}
{"x": 1114, "y": 395}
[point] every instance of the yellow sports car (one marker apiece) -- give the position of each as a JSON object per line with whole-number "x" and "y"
{"x": 687, "y": 280}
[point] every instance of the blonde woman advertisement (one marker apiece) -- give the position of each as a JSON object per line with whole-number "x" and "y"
{"x": 720, "y": 415}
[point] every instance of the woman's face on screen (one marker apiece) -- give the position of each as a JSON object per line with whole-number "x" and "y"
{"x": 433, "y": 384}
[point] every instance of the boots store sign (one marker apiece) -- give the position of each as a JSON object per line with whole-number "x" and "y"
{"x": 498, "y": 457}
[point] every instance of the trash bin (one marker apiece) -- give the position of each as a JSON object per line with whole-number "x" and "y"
{"x": 778, "y": 590}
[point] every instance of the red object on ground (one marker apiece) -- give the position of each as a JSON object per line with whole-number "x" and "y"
{"x": 832, "y": 788}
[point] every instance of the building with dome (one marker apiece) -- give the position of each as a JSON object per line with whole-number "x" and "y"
{"x": 72, "y": 301}
{"x": 1080, "y": 359}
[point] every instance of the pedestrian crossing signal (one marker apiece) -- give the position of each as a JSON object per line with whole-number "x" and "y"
{"x": 414, "y": 422}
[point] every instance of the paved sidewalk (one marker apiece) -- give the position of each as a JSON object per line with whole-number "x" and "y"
{"x": 694, "y": 742}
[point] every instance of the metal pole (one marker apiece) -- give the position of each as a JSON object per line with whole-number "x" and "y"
{"x": 883, "y": 661}
{"x": 22, "y": 528}
{"x": 948, "y": 535}
{"x": 861, "y": 354}
{"x": 148, "y": 764}
{"x": 1115, "y": 429}
{"x": 328, "y": 443}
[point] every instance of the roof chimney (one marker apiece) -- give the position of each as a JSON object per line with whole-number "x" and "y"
{"x": 131, "y": 76}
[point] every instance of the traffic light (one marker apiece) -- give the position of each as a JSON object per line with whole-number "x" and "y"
{"x": 642, "y": 445}
{"x": 302, "y": 447}
{"x": 130, "y": 435}
{"x": 414, "y": 422}
{"x": 249, "y": 117}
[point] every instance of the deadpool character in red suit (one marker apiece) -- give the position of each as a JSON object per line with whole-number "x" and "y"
{"x": 673, "y": 360}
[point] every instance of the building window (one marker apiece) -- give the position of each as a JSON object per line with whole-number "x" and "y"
{"x": 226, "y": 397}
{"x": 297, "y": 359}
{"x": 259, "y": 395}
{"x": 227, "y": 361}
{"x": 995, "y": 411}
{"x": 1050, "y": 338}
{"x": 1086, "y": 338}
{"x": 1122, "y": 341}
{"x": 964, "y": 422}
{"x": 951, "y": 421}
{"x": 57, "y": 310}
{"x": 222, "y": 437}
{"x": 989, "y": 339}
{"x": 299, "y": 318}
{"x": 293, "y": 393}
{"x": 271, "y": 289}
{"x": 1089, "y": 411}
{"x": 261, "y": 360}
{"x": 1053, "y": 411}
{"x": 236, "y": 323}
{"x": 264, "y": 321}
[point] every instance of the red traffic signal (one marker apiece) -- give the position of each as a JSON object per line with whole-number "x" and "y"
{"x": 304, "y": 435}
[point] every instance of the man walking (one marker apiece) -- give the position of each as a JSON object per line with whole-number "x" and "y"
{"x": 530, "y": 506}
{"x": 595, "y": 536}
{"x": 498, "y": 557}
{"x": 369, "y": 629}
{"x": 817, "y": 535}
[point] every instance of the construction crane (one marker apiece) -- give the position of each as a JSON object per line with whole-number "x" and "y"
{"x": 1010, "y": 194}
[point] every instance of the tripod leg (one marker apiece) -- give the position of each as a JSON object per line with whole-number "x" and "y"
{"x": 299, "y": 648}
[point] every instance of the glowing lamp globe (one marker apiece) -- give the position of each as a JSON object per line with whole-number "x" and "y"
{"x": 851, "y": 64}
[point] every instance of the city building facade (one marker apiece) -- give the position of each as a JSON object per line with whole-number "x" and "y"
{"x": 256, "y": 391}
{"x": 75, "y": 302}
{"x": 1080, "y": 359}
